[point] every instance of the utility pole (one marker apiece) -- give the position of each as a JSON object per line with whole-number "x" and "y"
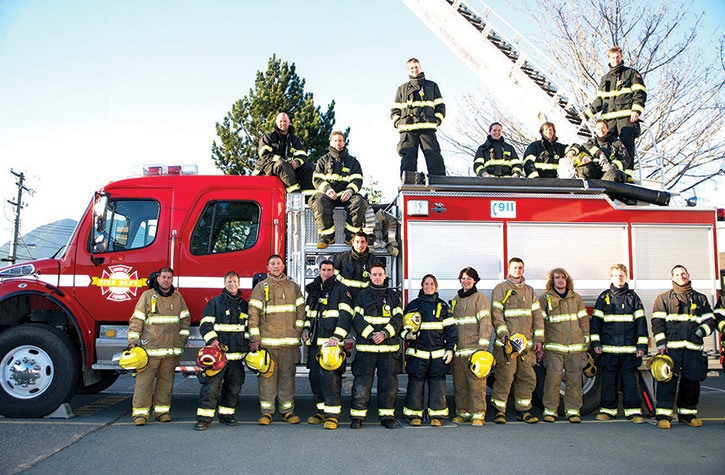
{"x": 18, "y": 206}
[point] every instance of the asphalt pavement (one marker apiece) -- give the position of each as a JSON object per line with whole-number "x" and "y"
{"x": 101, "y": 439}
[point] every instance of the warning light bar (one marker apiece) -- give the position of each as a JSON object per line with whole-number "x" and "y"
{"x": 158, "y": 170}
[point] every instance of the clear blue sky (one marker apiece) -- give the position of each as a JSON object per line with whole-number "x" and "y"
{"x": 91, "y": 89}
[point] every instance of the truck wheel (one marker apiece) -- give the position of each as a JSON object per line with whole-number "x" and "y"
{"x": 39, "y": 368}
{"x": 591, "y": 388}
{"x": 107, "y": 380}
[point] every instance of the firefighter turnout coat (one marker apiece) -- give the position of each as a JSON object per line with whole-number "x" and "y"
{"x": 621, "y": 91}
{"x": 497, "y": 158}
{"x": 418, "y": 106}
{"x": 541, "y": 158}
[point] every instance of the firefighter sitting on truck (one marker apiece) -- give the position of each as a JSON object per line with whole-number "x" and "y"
{"x": 276, "y": 318}
{"x": 328, "y": 302}
{"x": 541, "y": 158}
{"x": 224, "y": 326}
{"x": 619, "y": 336}
{"x": 566, "y": 325}
{"x": 515, "y": 310}
{"x": 430, "y": 351}
{"x": 603, "y": 157}
{"x": 160, "y": 324}
{"x": 282, "y": 154}
{"x": 496, "y": 157}
{"x": 338, "y": 179}
{"x": 681, "y": 318}
{"x": 472, "y": 314}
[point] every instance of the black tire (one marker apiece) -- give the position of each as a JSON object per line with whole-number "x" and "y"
{"x": 591, "y": 388}
{"x": 50, "y": 367}
{"x": 107, "y": 380}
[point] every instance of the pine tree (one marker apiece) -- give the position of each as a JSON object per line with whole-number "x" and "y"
{"x": 279, "y": 89}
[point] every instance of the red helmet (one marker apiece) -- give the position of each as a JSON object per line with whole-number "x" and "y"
{"x": 211, "y": 359}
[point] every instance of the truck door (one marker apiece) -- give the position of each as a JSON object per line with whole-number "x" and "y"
{"x": 135, "y": 243}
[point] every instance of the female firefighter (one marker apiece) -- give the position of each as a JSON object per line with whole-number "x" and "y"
{"x": 431, "y": 334}
{"x": 472, "y": 315}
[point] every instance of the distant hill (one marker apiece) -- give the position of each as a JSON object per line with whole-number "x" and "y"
{"x": 43, "y": 241}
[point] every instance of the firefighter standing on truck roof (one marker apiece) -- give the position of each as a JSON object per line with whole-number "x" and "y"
{"x": 681, "y": 318}
{"x": 224, "y": 325}
{"x": 417, "y": 113}
{"x": 282, "y": 154}
{"x": 353, "y": 266}
{"x": 620, "y": 98}
{"x": 566, "y": 326}
{"x": 377, "y": 321}
{"x": 472, "y": 314}
{"x": 495, "y": 157}
{"x": 619, "y": 336}
{"x": 515, "y": 310}
{"x": 160, "y": 324}
{"x": 429, "y": 354}
{"x": 276, "y": 318}
{"x": 328, "y": 302}
{"x": 338, "y": 179}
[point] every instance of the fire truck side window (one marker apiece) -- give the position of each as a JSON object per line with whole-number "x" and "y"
{"x": 129, "y": 224}
{"x": 226, "y": 226}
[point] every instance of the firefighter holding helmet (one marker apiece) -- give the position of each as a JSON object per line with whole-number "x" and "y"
{"x": 430, "y": 351}
{"x": 276, "y": 318}
{"x": 328, "y": 305}
{"x": 160, "y": 323}
{"x": 471, "y": 312}
{"x": 681, "y": 318}
{"x": 519, "y": 327}
{"x": 566, "y": 326}
{"x": 224, "y": 327}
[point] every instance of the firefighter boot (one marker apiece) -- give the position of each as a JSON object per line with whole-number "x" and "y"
{"x": 331, "y": 423}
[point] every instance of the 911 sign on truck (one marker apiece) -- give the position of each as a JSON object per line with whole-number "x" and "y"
{"x": 62, "y": 319}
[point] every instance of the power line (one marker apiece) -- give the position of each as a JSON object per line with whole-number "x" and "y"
{"x": 18, "y": 204}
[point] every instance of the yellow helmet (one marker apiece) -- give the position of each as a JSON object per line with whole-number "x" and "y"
{"x": 135, "y": 358}
{"x": 260, "y": 362}
{"x": 516, "y": 343}
{"x": 411, "y": 322}
{"x": 661, "y": 367}
{"x": 590, "y": 370}
{"x": 480, "y": 363}
{"x": 331, "y": 357}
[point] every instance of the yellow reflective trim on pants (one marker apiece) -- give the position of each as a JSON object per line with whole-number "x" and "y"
{"x": 161, "y": 409}
{"x": 611, "y": 412}
{"x": 662, "y": 411}
{"x": 332, "y": 409}
{"x": 377, "y": 348}
{"x": 141, "y": 411}
{"x": 687, "y": 412}
{"x": 412, "y": 413}
{"x": 386, "y": 412}
{"x": 426, "y": 355}
{"x": 500, "y": 405}
{"x": 358, "y": 412}
{"x": 205, "y": 412}
{"x": 438, "y": 412}
{"x": 632, "y": 412}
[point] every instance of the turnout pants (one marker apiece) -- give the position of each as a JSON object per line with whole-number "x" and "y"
{"x": 690, "y": 367}
{"x": 322, "y": 206}
{"x": 293, "y": 179}
{"x": 156, "y": 383}
{"x": 592, "y": 171}
{"x": 326, "y": 386}
{"x": 229, "y": 380}
{"x": 433, "y": 371}
{"x": 572, "y": 365}
{"x": 517, "y": 371}
{"x": 627, "y": 132}
{"x": 408, "y": 151}
{"x": 469, "y": 391}
{"x": 623, "y": 367}
{"x": 281, "y": 384}
{"x": 363, "y": 370}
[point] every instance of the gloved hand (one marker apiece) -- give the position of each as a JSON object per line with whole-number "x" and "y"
{"x": 448, "y": 357}
{"x": 516, "y": 175}
{"x": 254, "y": 346}
{"x": 411, "y": 336}
{"x": 606, "y": 165}
{"x": 700, "y": 333}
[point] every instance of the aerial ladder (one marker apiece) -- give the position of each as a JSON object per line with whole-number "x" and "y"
{"x": 523, "y": 78}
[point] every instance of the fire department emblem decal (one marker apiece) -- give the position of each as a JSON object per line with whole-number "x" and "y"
{"x": 119, "y": 283}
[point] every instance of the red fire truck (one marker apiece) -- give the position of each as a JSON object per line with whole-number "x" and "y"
{"x": 63, "y": 319}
